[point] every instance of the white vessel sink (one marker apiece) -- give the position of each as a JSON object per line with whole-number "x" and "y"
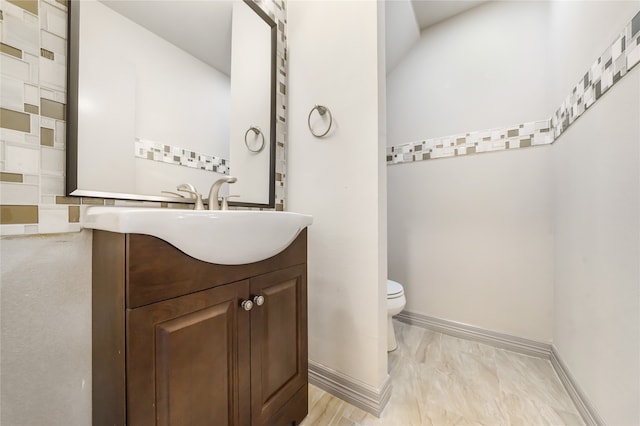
{"x": 227, "y": 237}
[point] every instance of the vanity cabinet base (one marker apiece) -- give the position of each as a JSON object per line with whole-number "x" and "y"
{"x": 198, "y": 358}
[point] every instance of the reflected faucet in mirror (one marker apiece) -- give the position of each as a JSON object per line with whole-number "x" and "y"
{"x": 215, "y": 189}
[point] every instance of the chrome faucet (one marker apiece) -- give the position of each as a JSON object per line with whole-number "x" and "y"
{"x": 215, "y": 189}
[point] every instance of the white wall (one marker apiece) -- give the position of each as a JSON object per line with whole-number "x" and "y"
{"x": 45, "y": 312}
{"x": 596, "y": 198}
{"x": 401, "y": 32}
{"x": 339, "y": 179}
{"x": 471, "y": 238}
{"x": 382, "y": 192}
{"x": 484, "y": 68}
{"x": 597, "y": 284}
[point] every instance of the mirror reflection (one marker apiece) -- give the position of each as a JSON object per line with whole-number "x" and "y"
{"x": 170, "y": 92}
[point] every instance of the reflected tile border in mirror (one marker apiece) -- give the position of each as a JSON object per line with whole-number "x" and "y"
{"x": 157, "y": 151}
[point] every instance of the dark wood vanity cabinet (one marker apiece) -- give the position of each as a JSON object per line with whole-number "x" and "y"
{"x": 173, "y": 345}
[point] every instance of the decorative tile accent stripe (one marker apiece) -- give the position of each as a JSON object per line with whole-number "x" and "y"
{"x": 521, "y": 136}
{"x": 157, "y": 151}
{"x": 607, "y": 70}
{"x": 617, "y": 60}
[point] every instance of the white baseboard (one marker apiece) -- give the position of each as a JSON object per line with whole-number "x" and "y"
{"x": 514, "y": 344}
{"x": 582, "y": 403}
{"x": 470, "y": 332}
{"x": 348, "y": 389}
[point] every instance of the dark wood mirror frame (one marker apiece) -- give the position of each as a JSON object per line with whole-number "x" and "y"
{"x": 72, "y": 115}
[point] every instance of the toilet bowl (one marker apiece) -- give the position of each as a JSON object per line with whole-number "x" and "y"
{"x": 395, "y": 304}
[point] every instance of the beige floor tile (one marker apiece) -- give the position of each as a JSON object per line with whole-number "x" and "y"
{"x": 443, "y": 380}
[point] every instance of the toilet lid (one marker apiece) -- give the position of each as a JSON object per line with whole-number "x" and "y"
{"x": 394, "y": 289}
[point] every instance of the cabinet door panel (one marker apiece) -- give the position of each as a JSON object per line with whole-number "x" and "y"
{"x": 278, "y": 342}
{"x": 192, "y": 383}
{"x": 281, "y": 330}
{"x": 183, "y": 359}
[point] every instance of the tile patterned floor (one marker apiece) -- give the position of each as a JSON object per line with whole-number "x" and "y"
{"x": 442, "y": 380}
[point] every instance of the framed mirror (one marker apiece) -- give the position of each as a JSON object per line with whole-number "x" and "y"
{"x": 166, "y": 92}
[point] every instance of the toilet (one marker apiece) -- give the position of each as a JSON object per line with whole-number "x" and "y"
{"x": 395, "y": 304}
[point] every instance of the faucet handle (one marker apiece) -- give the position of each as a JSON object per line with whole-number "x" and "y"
{"x": 225, "y": 204}
{"x": 190, "y": 189}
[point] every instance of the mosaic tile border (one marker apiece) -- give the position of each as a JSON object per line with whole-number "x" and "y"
{"x": 32, "y": 134}
{"x": 616, "y": 61}
{"x": 521, "y": 136}
{"x": 163, "y": 153}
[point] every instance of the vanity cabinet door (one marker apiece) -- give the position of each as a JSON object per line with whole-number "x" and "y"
{"x": 279, "y": 347}
{"x": 187, "y": 360}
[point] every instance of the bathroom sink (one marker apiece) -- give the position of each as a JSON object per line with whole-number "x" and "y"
{"x": 228, "y": 237}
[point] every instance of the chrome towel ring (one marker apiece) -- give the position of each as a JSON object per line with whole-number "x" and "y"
{"x": 322, "y": 110}
{"x": 257, "y": 132}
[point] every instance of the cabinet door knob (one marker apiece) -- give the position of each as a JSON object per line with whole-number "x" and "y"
{"x": 258, "y": 300}
{"x": 247, "y": 305}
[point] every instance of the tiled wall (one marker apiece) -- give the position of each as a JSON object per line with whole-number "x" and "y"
{"x": 33, "y": 49}
{"x": 618, "y": 59}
